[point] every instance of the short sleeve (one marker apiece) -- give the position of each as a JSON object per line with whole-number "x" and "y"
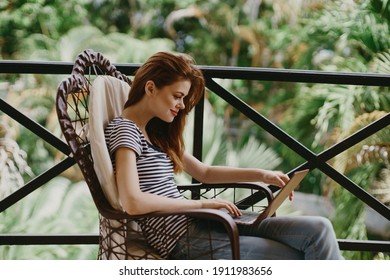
{"x": 124, "y": 134}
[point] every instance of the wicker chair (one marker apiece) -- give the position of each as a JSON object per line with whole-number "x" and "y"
{"x": 120, "y": 234}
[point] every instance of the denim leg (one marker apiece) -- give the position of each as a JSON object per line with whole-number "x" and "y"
{"x": 313, "y": 236}
{"x": 196, "y": 245}
{"x": 259, "y": 248}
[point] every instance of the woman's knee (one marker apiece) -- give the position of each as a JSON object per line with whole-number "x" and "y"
{"x": 322, "y": 222}
{"x": 266, "y": 249}
{"x": 321, "y": 225}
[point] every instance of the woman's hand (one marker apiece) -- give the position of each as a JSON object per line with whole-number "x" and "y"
{"x": 276, "y": 178}
{"x": 221, "y": 204}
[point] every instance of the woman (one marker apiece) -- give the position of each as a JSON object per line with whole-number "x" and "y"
{"x": 147, "y": 147}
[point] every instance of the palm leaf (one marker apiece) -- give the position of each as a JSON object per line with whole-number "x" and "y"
{"x": 58, "y": 207}
{"x": 253, "y": 155}
{"x": 13, "y": 162}
{"x": 380, "y": 188}
{"x": 375, "y": 148}
{"x": 381, "y": 62}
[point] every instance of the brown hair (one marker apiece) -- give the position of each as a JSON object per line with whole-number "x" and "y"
{"x": 164, "y": 69}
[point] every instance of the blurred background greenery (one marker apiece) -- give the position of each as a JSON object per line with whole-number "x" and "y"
{"x": 347, "y": 36}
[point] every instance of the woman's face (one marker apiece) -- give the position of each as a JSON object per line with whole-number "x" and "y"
{"x": 169, "y": 100}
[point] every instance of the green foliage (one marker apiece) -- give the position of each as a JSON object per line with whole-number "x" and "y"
{"x": 19, "y": 19}
{"x": 381, "y": 8}
{"x": 13, "y": 165}
{"x": 118, "y": 47}
{"x": 349, "y": 226}
{"x": 60, "y": 207}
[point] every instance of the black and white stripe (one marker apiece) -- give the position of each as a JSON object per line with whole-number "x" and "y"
{"x": 155, "y": 172}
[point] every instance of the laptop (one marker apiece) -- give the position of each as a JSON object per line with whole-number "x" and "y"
{"x": 253, "y": 218}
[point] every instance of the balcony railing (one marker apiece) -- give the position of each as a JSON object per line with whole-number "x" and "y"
{"x": 312, "y": 160}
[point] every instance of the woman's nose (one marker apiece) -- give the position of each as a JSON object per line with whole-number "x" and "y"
{"x": 181, "y": 104}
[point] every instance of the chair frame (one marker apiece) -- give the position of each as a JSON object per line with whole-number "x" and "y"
{"x": 67, "y": 93}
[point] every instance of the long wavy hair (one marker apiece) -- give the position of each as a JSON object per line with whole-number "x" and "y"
{"x": 164, "y": 69}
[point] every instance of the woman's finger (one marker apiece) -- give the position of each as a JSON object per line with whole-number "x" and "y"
{"x": 291, "y": 196}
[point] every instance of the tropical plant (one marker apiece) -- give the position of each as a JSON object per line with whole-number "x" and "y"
{"x": 334, "y": 112}
{"x": 366, "y": 163}
{"x": 13, "y": 165}
{"x": 117, "y": 47}
{"x": 20, "y": 18}
{"x": 59, "y": 207}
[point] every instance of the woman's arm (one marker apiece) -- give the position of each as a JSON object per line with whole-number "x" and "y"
{"x": 136, "y": 202}
{"x": 223, "y": 174}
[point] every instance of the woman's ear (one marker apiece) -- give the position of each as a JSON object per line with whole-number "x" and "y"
{"x": 150, "y": 87}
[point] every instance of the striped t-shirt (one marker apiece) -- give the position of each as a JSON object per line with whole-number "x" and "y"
{"x": 155, "y": 172}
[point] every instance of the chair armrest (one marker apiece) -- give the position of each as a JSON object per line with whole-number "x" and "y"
{"x": 239, "y": 185}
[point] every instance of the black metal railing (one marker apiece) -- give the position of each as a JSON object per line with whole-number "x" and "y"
{"x": 312, "y": 160}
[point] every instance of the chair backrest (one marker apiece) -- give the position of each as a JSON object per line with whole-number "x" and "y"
{"x": 107, "y": 98}
{"x": 73, "y": 114}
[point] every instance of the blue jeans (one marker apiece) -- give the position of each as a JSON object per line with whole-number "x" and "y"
{"x": 276, "y": 238}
